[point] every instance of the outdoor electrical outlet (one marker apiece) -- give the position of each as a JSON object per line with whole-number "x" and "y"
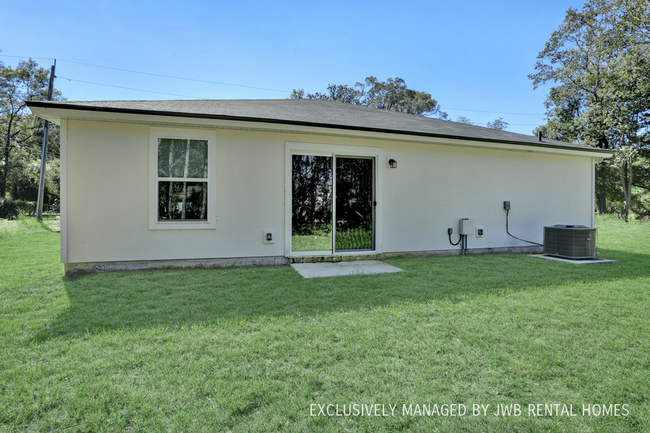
{"x": 479, "y": 231}
{"x": 506, "y": 205}
{"x": 268, "y": 236}
{"x": 450, "y": 231}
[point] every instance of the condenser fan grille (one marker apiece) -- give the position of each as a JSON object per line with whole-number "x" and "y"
{"x": 571, "y": 242}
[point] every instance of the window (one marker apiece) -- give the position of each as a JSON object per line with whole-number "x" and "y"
{"x": 182, "y": 179}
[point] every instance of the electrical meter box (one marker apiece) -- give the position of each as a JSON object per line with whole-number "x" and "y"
{"x": 466, "y": 227}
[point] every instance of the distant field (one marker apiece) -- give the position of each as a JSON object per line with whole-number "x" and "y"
{"x": 261, "y": 349}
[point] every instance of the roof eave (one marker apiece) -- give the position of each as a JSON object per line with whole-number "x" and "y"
{"x": 597, "y": 152}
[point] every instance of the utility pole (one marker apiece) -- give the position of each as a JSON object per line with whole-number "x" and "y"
{"x": 41, "y": 182}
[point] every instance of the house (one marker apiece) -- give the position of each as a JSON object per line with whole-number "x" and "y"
{"x": 227, "y": 182}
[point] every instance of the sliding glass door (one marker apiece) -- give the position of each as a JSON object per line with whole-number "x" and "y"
{"x": 332, "y": 203}
{"x": 354, "y": 204}
{"x": 311, "y": 203}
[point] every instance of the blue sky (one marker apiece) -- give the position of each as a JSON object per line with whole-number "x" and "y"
{"x": 474, "y": 57}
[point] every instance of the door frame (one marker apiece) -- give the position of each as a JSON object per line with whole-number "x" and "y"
{"x": 326, "y": 149}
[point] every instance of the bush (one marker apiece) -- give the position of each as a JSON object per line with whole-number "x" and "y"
{"x": 14, "y": 208}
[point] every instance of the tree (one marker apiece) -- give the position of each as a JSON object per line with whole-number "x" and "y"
{"x": 20, "y": 144}
{"x": 499, "y": 124}
{"x": 312, "y": 194}
{"x": 392, "y": 94}
{"x": 341, "y": 93}
{"x": 465, "y": 120}
{"x": 598, "y": 61}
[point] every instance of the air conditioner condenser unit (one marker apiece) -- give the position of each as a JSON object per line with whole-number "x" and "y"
{"x": 570, "y": 242}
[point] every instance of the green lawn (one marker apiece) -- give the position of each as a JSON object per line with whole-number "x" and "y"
{"x": 352, "y": 240}
{"x": 252, "y": 349}
{"x": 312, "y": 242}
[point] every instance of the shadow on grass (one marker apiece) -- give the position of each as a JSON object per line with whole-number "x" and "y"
{"x": 177, "y": 298}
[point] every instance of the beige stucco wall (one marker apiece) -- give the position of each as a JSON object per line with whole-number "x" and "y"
{"x": 107, "y": 193}
{"x": 435, "y": 186}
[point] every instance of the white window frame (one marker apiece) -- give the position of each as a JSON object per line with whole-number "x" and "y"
{"x": 185, "y": 134}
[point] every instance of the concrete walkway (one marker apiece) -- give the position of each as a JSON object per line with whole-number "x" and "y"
{"x": 353, "y": 267}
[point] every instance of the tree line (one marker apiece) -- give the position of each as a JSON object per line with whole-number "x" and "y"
{"x": 21, "y": 135}
{"x": 392, "y": 94}
{"x": 599, "y": 63}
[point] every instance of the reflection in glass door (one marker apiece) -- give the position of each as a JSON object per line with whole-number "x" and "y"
{"x": 311, "y": 203}
{"x": 317, "y": 202}
{"x": 354, "y": 204}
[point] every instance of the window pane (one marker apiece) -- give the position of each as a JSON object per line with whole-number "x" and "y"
{"x": 169, "y": 151}
{"x": 182, "y": 201}
{"x": 198, "y": 162}
{"x": 182, "y": 158}
{"x": 163, "y": 157}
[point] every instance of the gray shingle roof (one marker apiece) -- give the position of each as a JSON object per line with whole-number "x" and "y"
{"x": 310, "y": 112}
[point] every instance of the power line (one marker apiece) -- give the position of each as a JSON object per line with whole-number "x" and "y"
{"x": 26, "y": 57}
{"x": 175, "y": 77}
{"x": 127, "y": 88}
{"x": 154, "y": 74}
{"x": 215, "y": 82}
{"x": 194, "y": 97}
{"x": 494, "y": 112}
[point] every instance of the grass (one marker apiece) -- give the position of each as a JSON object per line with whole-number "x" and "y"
{"x": 354, "y": 240}
{"x": 26, "y": 225}
{"x": 312, "y": 242}
{"x": 350, "y": 240}
{"x": 251, "y": 349}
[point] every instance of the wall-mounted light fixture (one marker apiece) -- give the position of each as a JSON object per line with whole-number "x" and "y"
{"x": 391, "y": 161}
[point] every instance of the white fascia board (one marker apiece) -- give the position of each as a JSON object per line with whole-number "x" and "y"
{"x": 56, "y": 114}
{"x": 48, "y": 114}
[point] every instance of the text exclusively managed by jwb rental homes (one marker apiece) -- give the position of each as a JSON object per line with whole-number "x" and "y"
{"x": 461, "y": 410}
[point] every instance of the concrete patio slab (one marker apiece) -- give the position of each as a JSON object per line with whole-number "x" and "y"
{"x": 353, "y": 267}
{"x": 579, "y": 262}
